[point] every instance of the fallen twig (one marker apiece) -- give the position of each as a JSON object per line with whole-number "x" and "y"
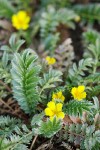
{"x": 6, "y": 86}
{"x": 33, "y": 142}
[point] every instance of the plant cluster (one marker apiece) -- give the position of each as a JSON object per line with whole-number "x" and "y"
{"x": 49, "y": 105}
{"x": 49, "y": 94}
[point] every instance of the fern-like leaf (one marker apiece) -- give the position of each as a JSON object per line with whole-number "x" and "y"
{"x": 21, "y": 137}
{"x": 77, "y": 72}
{"x": 90, "y": 36}
{"x": 76, "y": 108}
{"x": 50, "y": 128}
{"x": 93, "y": 78}
{"x": 36, "y": 120}
{"x": 92, "y": 138}
{"x": 95, "y": 49}
{"x": 7, "y": 125}
{"x": 88, "y": 12}
{"x": 14, "y": 43}
{"x": 86, "y": 136}
{"x": 49, "y": 79}
{"x": 6, "y": 121}
{"x": 25, "y": 79}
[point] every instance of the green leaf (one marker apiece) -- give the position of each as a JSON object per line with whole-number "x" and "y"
{"x": 89, "y": 13}
{"x": 7, "y": 125}
{"x": 6, "y": 9}
{"x": 90, "y": 36}
{"x": 15, "y": 44}
{"x": 96, "y": 103}
{"x": 25, "y": 79}
{"x": 76, "y": 108}
{"x": 5, "y": 48}
{"x": 92, "y": 78}
{"x": 50, "y": 128}
{"x": 5, "y": 60}
{"x": 49, "y": 80}
{"x": 76, "y": 73}
{"x": 95, "y": 49}
{"x": 92, "y": 138}
{"x": 37, "y": 119}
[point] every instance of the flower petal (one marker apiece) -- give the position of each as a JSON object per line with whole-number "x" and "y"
{"x": 61, "y": 115}
{"x": 59, "y": 94}
{"x": 54, "y": 96}
{"x": 84, "y": 95}
{"x": 47, "y": 58}
{"x": 62, "y": 98}
{"x": 81, "y": 88}
{"x": 22, "y": 15}
{"x": 48, "y": 112}
{"x": 59, "y": 107}
{"x": 51, "y": 105}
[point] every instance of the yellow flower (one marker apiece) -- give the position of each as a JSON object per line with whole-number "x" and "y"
{"x": 21, "y": 20}
{"x": 50, "y": 60}
{"x": 54, "y": 110}
{"x": 58, "y": 96}
{"x": 77, "y": 18}
{"x": 78, "y": 92}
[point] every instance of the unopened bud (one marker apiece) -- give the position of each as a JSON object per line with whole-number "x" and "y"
{"x": 77, "y": 18}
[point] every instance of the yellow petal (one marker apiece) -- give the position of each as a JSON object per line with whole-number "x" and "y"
{"x": 61, "y": 115}
{"x": 47, "y": 58}
{"x": 27, "y": 20}
{"x": 59, "y": 94}
{"x": 25, "y": 26}
{"x": 14, "y": 18}
{"x": 81, "y": 88}
{"x": 59, "y": 107}
{"x": 53, "y": 60}
{"x": 54, "y": 96}
{"x": 48, "y": 112}
{"x": 62, "y": 98}
{"x": 51, "y": 105}
{"x": 22, "y": 14}
{"x": 84, "y": 95}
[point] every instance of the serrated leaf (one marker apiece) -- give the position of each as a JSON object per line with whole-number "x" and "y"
{"x": 76, "y": 108}
{"x": 50, "y": 128}
{"x": 37, "y": 119}
{"x": 25, "y": 79}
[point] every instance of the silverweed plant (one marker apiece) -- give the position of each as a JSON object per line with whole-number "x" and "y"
{"x": 49, "y": 96}
{"x": 56, "y": 107}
